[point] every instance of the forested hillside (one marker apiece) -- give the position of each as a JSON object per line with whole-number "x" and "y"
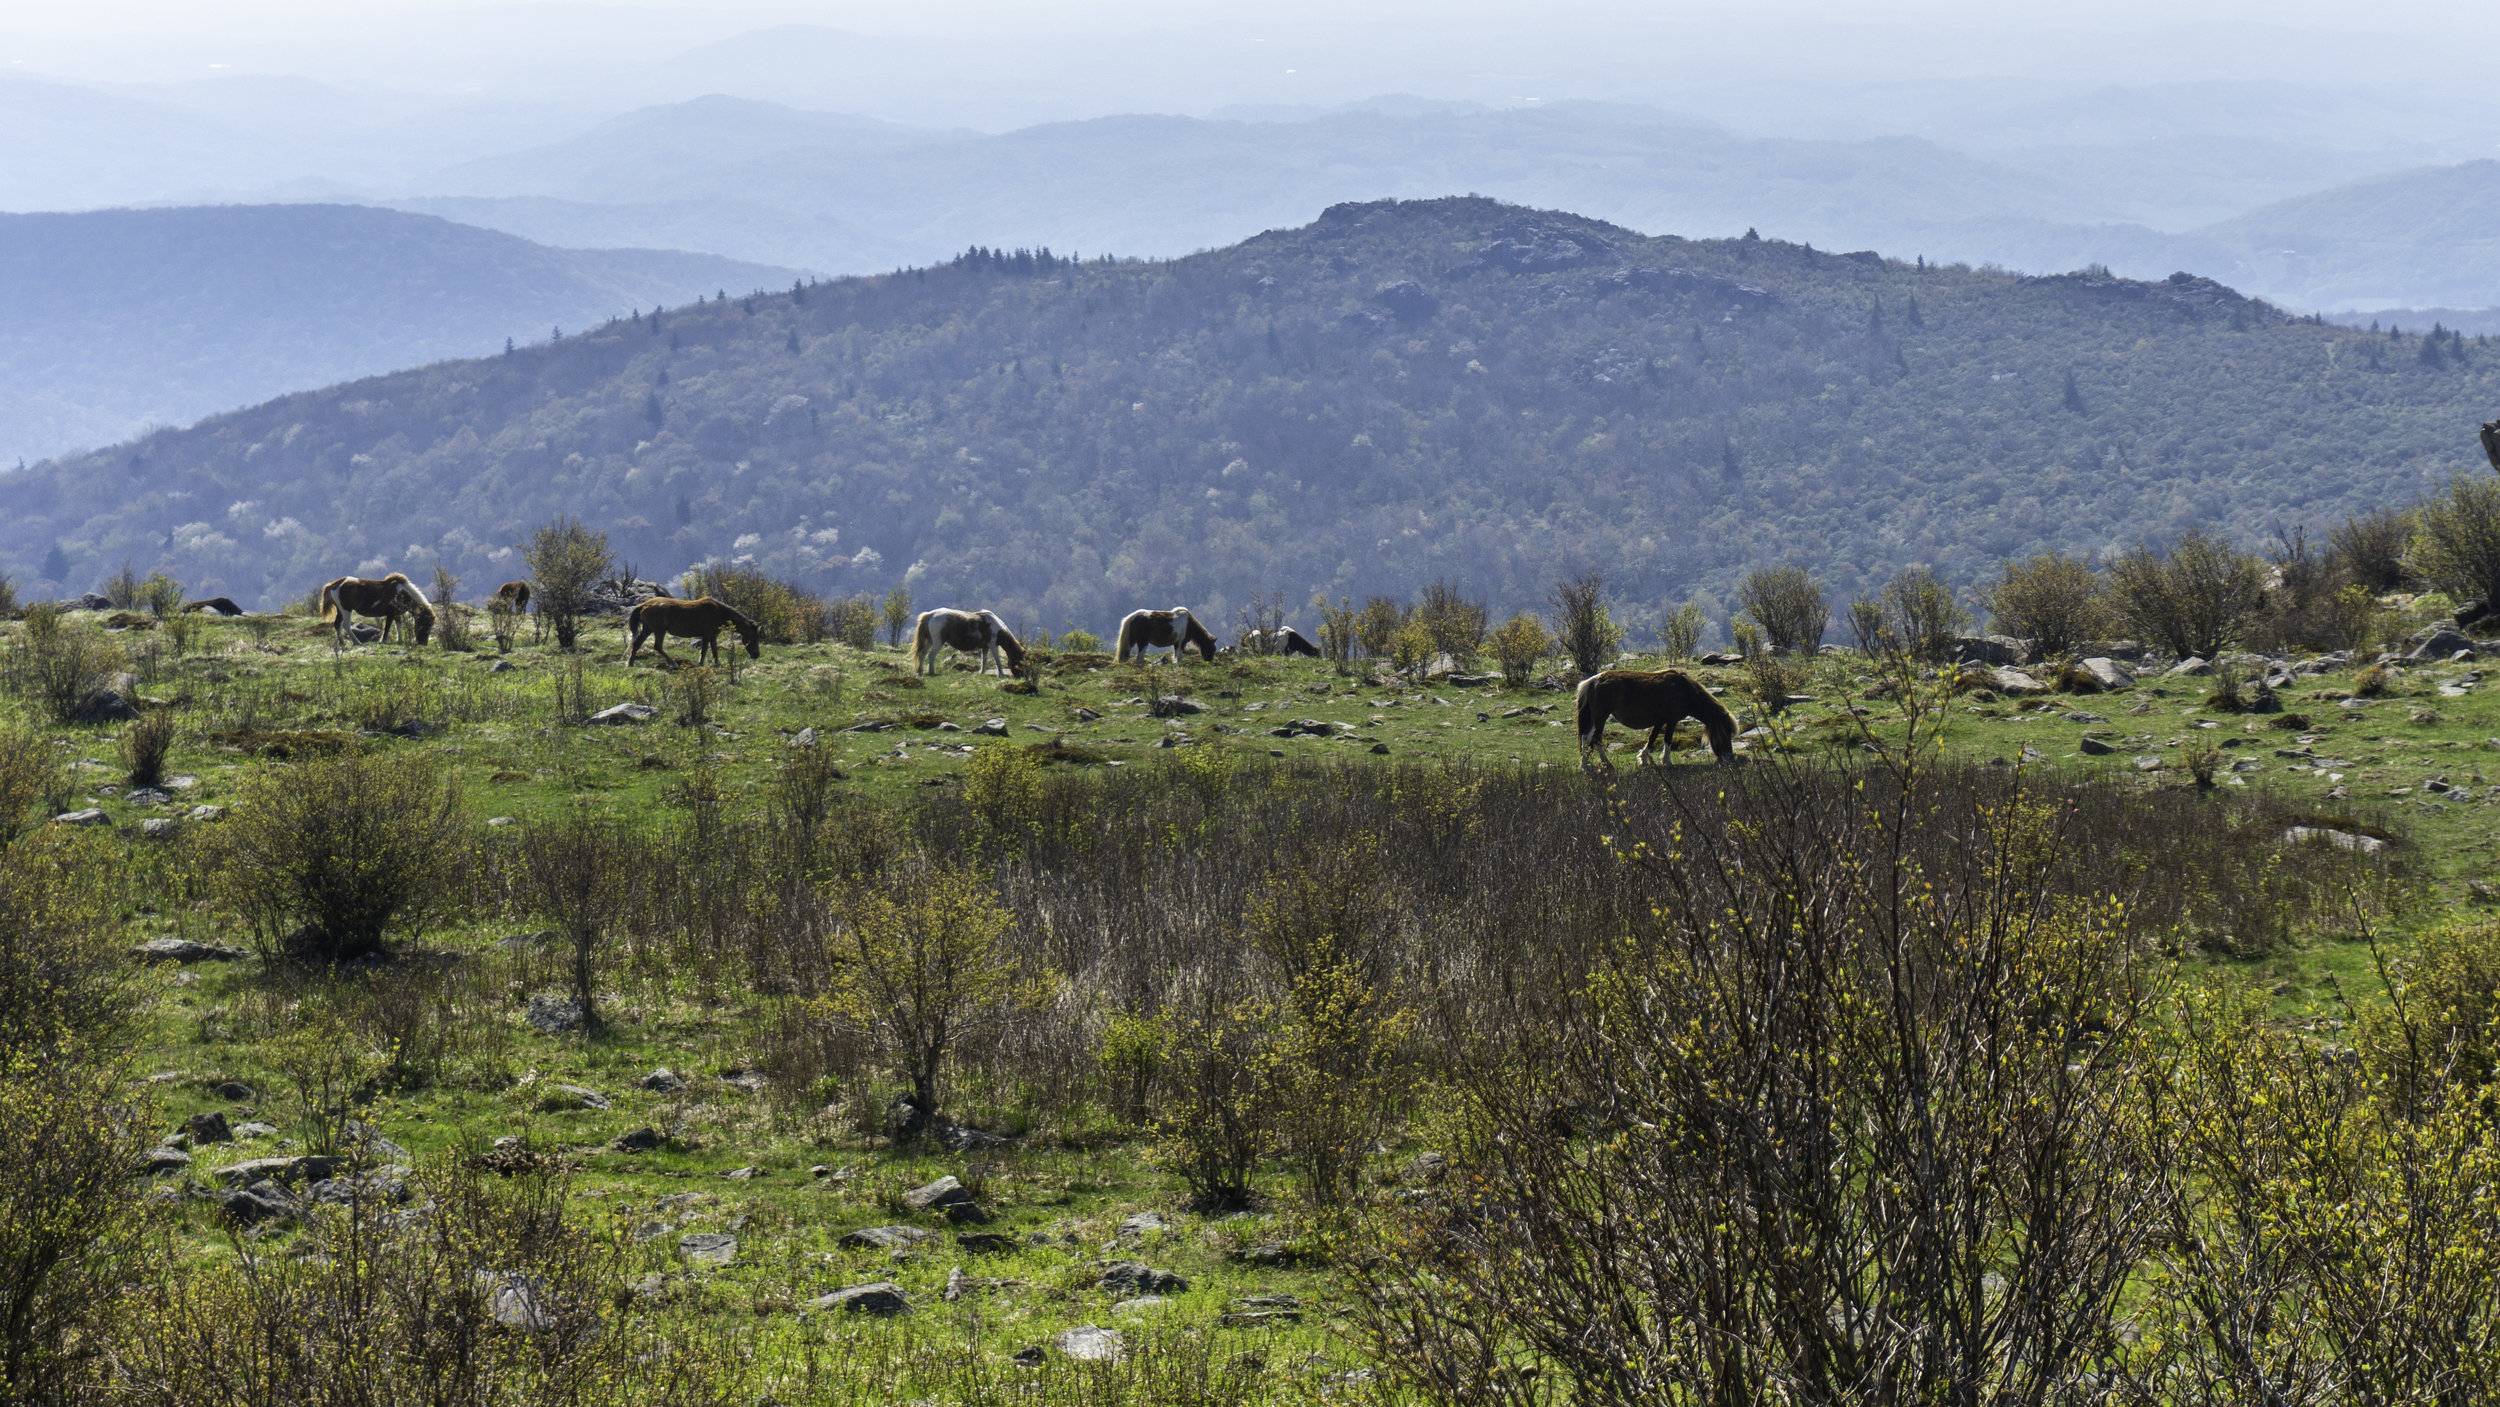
{"x": 1394, "y": 393}
{"x": 117, "y": 319}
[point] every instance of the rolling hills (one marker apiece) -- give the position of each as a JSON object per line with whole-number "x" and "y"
{"x": 1396, "y": 392}
{"x": 122, "y": 318}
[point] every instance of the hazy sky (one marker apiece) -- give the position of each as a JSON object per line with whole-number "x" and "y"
{"x": 452, "y": 45}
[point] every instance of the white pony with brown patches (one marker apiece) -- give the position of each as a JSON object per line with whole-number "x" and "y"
{"x": 974, "y": 632}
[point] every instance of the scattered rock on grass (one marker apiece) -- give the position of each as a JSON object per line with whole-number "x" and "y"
{"x": 663, "y": 1081}
{"x": 708, "y": 1247}
{"x": 554, "y": 1013}
{"x": 184, "y": 950}
{"x": 882, "y": 1297}
{"x": 1089, "y": 1343}
{"x": 157, "y": 1161}
{"x": 623, "y": 713}
{"x": 887, "y": 1238}
{"x": 92, "y": 816}
{"x": 2341, "y": 840}
{"x": 639, "y": 1141}
{"x": 1137, "y": 1277}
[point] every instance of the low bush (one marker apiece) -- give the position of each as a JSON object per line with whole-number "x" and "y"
{"x": 61, "y": 665}
{"x": 1788, "y": 605}
{"x": 29, "y": 773}
{"x": 325, "y": 858}
{"x": 1519, "y": 644}
{"x": 145, "y": 745}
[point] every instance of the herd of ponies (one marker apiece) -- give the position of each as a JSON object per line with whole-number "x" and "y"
{"x": 1643, "y": 700}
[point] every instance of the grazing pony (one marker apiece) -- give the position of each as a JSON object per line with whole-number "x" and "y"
{"x": 387, "y": 600}
{"x": 222, "y": 605}
{"x": 1655, "y": 699}
{"x": 980, "y": 632}
{"x": 1153, "y": 630}
{"x": 1283, "y": 640}
{"x": 515, "y": 594}
{"x": 700, "y": 620}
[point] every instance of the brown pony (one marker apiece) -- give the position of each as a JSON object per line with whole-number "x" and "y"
{"x": 515, "y": 594}
{"x": 222, "y": 605}
{"x": 1153, "y": 630}
{"x": 700, "y": 620}
{"x": 1657, "y": 700}
{"x": 386, "y": 600}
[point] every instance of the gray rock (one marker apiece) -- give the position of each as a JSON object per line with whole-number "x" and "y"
{"x": 2341, "y": 840}
{"x": 386, "y": 1185}
{"x": 2094, "y": 747}
{"x": 2148, "y": 764}
{"x": 310, "y": 1168}
{"x": 208, "y": 1128}
{"x": 1993, "y": 650}
{"x": 259, "y": 1204}
{"x": 880, "y": 1298}
{"x": 2193, "y": 666}
{"x": 575, "y": 1096}
{"x": 184, "y": 950}
{"x": 1142, "y": 1224}
{"x": 516, "y": 1302}
{"x": 1137, "y": 1277}
{"x": 554, "y": 1013}
{"x": 708, "y": 1247}
{"x": 992, "y": 728}
{"x": 950, "y": 727}
{"x": 984, "y": 1243}
{"x": 94, "y": 601}
{"x": 1174, "y": 704}
{"x": 938, "y": 1196}
{"x": 105, "y": 706}
{"x": 2112, "y": 675}
{"x": 147, "y": 796}
{"x": 235, "y": 1092}
{"x": 1089, "y": 1343}
{"x": 806, "y": 738}
{"x": 2014, "y": 682}
{"x": 746, "y": 1174}
{"x": 159, "y": 828}
{"x": 158, "y": 1161}
{"x": 662, "y": 1081}
{"x": 92, "y": 816}
{"x": 255, "y": 1129}
{"x": 628, "y": 712}
{"x": 887, "y": 1238}
{"x": 2441, "y": 645}
{"x": 1086, "y": 715}
{"x": 639, "y": 1141}
{"x": 206, "y": 813}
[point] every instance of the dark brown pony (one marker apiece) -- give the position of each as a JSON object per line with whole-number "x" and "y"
{"x": 387, "y": 600}
{"x": 515, "y": 594}
{"x": 222, "y": 605}
{"x": 1154, "y": 630}
{"x": 1283, "y": 640}
{"x": 1655, "y": 699}
{"x": 700, "y": 620}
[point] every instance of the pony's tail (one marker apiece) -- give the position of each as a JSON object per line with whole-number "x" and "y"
{"x": 330, "y": 600}
{"x": 920, "y": 641}
{"x": 1581, "y": 711}
{"x": 1128, "y": 629}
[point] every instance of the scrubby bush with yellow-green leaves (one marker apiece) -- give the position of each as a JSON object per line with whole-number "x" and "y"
{"x": 326, "y": 858}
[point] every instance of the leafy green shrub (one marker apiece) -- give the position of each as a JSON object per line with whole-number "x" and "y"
{"x": 785, "y": 614}
{"x": 2195, "y": 599}
{"x": 2055, "y": 601}
{"x": 1410, "y": 647}
{"x": 71, "y": 1129}
{"x": 29, "y": 773}
{"x": 1226, "y": 1098}
{"x": 2442, "y": 1025}
{"x": 1081, "y": 642}
{"x": 1133, "y": 1052}
{"x": 1453, "y": 623}
{"x": 1789, "y": 605}
{"x": 1679, "y": 631}
{"x": 2369, "y": 549}
{"x": 1519, "y": 644}
{"x": 852, "y": 621}
{"x": 897, "y": 614}
{"x": 61, "y": 664}
{"x": 566, "y": 561}
{"x": 2455, "y": 544}
{"x": 161, "y": 595}
{"x": 124, "y": 588}
{"x": 325, "y": 858}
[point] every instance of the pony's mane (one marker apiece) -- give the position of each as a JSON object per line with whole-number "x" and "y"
{"x": 745, "y": 623}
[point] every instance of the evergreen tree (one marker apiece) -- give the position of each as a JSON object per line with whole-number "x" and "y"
{"x": 2074, "y": 393}
{"x": 56, "y": 563}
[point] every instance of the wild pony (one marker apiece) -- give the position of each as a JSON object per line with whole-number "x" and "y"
{"x": 1154, "y": 630}
{"x": 1283, "y": 640}
{"x": 515, "y": 594}
{"x": 977, "y": 632}
{"x": 222, "y": 605}
{"x": 1655, "y": 699}
{"x": 387, "y": 600}
{"x": 700, "y": 620}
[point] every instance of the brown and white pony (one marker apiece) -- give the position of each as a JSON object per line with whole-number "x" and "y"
{"x": 1283, "y": 640}
{"x": 387, "y": 600}
{"x": 1655, "y": 699}
{"x": 977, "y": 632}
{"x": 515, "y": 594}
{"x": 1154, "y": 630}
{"x": 222, "y": 605}
{"x": 701, "y": 620}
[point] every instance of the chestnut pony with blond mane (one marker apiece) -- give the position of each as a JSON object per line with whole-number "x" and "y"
{"x": 387, "y": 600}
{"x": 1655, "y": 699}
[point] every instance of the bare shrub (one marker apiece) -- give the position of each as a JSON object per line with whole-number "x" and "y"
{"x": 145, "y": 745}
{"x": 1226, "y": 1096}
{"x": 123, "y": 588}
{"x": 2195, "y": 599}
{"x": 70, "y": 1132}
{"x": 1789, "y": 605}
{"x": 324, "y": 859}
{"x": 1583, "y": 628}
{"x": 566, "y": 560}
{"x": 1339, "y": 630}
{"x": 1260, "y": 618}
{"x": 897, "y": 614}
{"x": 2369, "y": 548}
{"x": 495, "y": 1295}
{"x": 2055, "y": 601}
{"x": 580, "y": 873}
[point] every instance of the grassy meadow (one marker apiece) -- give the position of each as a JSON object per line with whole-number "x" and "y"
{"x": 1398, "y": 877}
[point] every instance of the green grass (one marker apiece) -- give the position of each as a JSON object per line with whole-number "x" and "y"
{"x": 1062, "y": 1195}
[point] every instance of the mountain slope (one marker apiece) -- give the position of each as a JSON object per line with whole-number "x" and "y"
{"x": 117, "y": 318}
{"x": 1394, "y": 393}
{"x": 2429, "y": 237}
